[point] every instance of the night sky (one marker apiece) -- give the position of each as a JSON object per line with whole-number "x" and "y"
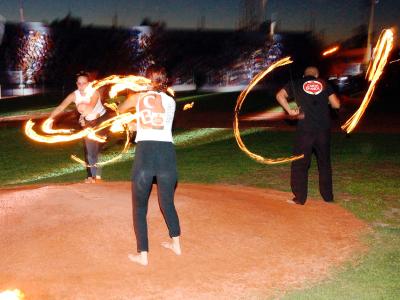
{"x": 336, "y": 18}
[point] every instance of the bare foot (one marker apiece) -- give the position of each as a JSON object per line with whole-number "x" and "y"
{"x": 89, "y": 180}
{"x": 175, "y": 245}
{"x": 294, "y": 202}
{"x": 140, "y": 258}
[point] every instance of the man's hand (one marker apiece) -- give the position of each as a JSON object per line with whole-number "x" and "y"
{"x": 293, "y": 112}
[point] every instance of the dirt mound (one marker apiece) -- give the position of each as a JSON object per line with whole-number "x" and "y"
{"x": 72, "y": 242}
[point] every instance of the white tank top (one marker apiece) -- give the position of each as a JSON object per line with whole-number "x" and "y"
{"x": 156, "y": 114}
{"x": 98, "y": 109}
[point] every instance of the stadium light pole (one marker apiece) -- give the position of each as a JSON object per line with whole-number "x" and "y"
{"x": 21, "y": 12}
{"x": 368, "y": 53}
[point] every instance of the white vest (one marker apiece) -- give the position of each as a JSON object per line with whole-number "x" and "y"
{"x": 155, "y": 116}
{"x": 98, "y": 109}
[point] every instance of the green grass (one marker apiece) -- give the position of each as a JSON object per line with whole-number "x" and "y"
{"x": 366, "y": 182}
{"x": 27, "y": 104}
{"x": 376, "y": 275}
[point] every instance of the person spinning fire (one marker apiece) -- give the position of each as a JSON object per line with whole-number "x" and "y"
{"x": 155, "y": 157}
{"x": 313, "y": 96}
{"x": 92, "y": 113}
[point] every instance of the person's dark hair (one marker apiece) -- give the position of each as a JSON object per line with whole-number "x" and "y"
{"x": 158, "y": 76}
{"x": 82, "y": 73}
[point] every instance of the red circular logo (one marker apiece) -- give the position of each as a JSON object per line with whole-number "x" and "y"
{"x": 312, "y": 87}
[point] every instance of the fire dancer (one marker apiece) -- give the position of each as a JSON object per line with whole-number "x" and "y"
{"x": 155, "y": 157}
{"x": 313, "y": 96}
{"x": 92, "y": 113}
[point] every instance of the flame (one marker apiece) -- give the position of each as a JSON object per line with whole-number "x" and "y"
{"x": 47, "y": 128}
{"x": 119, "y": 83}
{"x": 188, "y": 106}
{"x": 112, "y": 106}
{"x": 90, "y": 132}
{"x": 374, "y": 72}
{"x": 117, "y": 124}
{"x": 12, "y": 295}
{"x": 93, "y": 136}
{"x": 51, "y": 139}
{"x": 120, "y": 120}
{"x": 330, "y": 51}
{"x": 123, "y": 151}
{"x": 240, "y": 100}
{"x": 171, "y": 91}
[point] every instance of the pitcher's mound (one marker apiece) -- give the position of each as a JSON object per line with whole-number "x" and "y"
{"x": 73, "y": 241}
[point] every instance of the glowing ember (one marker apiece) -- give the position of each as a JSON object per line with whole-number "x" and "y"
{"x": 188, "y": 106}
{"x": 330, "y": 51}
{"x": 239, "y": 104}
{"x": 374, "y": 72}
{"x": 12, "y": 295}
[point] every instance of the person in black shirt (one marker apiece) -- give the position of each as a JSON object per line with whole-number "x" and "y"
{"x": 313, "y": 97}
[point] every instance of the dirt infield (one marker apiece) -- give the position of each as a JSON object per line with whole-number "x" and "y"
{"x": 72, "y": 242}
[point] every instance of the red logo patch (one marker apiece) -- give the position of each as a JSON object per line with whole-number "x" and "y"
{"x": 312, "y": 87}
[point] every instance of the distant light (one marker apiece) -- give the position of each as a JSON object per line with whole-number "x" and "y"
{"x": 32, "y": 53}
{"x": 12, "y": 295}
{"x": 330, "y": 51}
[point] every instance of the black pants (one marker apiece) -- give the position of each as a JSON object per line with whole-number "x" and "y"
{"x": 307, "y": 143}
{"x": 154, "y": 159}
{"x": 93, "y": 148}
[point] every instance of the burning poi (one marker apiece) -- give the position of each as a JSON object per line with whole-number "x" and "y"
{"x": 117, "y": 124}
{"x": 239, "y": 104}
{"x": 374, "y": 72}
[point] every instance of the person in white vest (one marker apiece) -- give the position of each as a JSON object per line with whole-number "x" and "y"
{"x": 92, "y": 112}
{"x": 154, "y": 158}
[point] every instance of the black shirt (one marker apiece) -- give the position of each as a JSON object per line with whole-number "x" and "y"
{"x": 311, "y": 95}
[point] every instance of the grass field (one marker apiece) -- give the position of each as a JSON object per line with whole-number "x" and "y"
{"x": 366, "y": 182}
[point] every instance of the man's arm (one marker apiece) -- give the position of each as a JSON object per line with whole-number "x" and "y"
{"x": 282, "y": 98}
{"x": 334, "y": 101}
{"x": 63, "y": 105}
